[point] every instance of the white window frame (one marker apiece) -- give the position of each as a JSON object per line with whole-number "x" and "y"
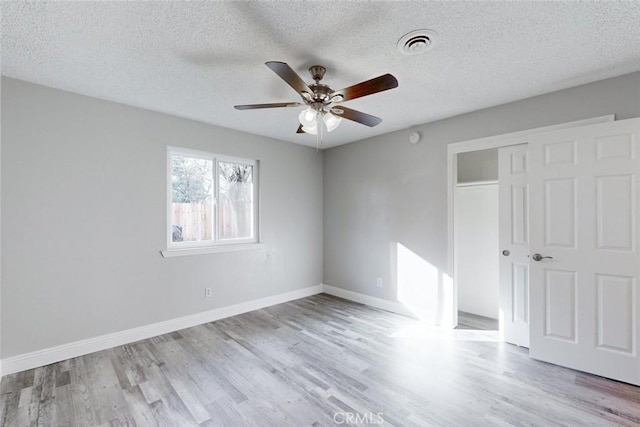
{"x": 216, "y": 244}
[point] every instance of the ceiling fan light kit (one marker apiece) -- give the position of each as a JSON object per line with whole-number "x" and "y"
{"x": 331, "y": 121}
{"x": 321, "y": 113}
{"x": 310, "y": 116}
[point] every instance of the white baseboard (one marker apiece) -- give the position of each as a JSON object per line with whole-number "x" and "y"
{"x": 46, "y": 356}
{"x": 392, "y": 306}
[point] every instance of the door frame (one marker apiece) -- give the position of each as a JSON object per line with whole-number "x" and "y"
{"x": 449, "y": 309}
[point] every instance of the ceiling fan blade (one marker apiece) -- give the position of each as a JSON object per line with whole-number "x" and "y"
{"x": 287, "y": 74}
{"x": 272, "y": 105}
{"x": 356, "y": 116}
{"x": 300, "y": 130}
{"x": 369, "y": 87}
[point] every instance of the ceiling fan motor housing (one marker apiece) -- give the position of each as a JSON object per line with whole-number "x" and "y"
{"x": 317, "y": 72}
{"x": 321, "y": 93}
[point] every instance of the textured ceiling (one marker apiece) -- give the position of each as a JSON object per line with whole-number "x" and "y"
{"x": 198, "y": 59}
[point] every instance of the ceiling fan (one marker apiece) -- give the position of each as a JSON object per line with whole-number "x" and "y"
{"x": 321, "y": 112}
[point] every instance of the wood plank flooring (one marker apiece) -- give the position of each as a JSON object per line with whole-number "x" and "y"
{"x": 312, "y": 362}
{"x": 473, "y": 321}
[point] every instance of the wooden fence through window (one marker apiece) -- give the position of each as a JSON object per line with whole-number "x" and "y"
{"x": 195, "y": 221}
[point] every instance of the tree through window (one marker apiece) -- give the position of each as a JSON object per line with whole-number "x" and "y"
{"x": 236, "y": 200}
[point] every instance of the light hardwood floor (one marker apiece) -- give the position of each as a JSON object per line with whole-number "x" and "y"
{"x": 311, "y": 362}
{"x": 473, "y": 321}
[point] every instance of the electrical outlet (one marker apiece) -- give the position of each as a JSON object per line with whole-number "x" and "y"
{"x": 207, "y": 292}
{"x": 379, "y": 282}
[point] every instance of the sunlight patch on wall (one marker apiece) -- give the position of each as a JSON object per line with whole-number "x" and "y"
{"x": 448, "y": 318}
{"x": 417, "y": 284}
{"x": 422, "y": 288}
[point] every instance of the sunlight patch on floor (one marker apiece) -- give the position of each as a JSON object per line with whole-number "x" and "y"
{"x": 426, "y": 332}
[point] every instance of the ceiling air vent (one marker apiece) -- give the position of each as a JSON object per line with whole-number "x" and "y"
{"x": 417, "y": 41}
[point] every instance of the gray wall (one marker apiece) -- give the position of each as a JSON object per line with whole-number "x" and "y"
{"x": 83, "y": 209}
{"x": 481, "y": 165}
{"x": 1, "y": 234}
{"x": 84, "y": 217}
{"x": 384, "y": 190}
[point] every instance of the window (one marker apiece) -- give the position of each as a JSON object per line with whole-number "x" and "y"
{"x": 212, "y": 199}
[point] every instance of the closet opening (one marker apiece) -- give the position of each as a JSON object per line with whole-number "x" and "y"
{"x": 476, "y": 222}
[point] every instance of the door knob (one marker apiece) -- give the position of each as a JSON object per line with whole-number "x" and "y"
{"x": 506, "y": 252}
{"x": 538, "y": 257}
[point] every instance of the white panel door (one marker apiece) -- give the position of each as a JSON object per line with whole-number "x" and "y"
{"x": 584, "y": 191}
{"x": 513, "y": 165}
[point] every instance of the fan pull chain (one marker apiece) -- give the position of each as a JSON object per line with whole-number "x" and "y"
{"x": 320, "y": 127}
{"x": 318, "y": 133}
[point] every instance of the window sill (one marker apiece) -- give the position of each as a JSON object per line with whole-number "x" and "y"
{"x": 168, "y": 253}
